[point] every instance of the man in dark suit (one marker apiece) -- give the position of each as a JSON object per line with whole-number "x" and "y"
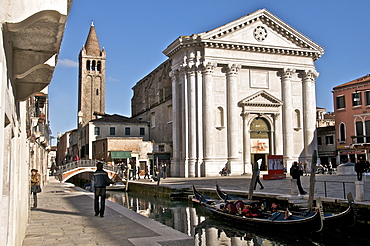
{"x": 99, "y": 182}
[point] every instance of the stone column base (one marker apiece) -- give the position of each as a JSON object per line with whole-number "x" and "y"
{"x": 360, "y": 194}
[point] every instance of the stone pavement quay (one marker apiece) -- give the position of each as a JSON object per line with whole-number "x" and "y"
{"x": 65, "y": 216}
{"x": 240, "y": 184}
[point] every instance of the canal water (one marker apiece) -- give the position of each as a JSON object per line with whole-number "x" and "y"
{"x": 195, "y": 221}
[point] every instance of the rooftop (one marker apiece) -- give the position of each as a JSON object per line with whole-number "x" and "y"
{"x": 361, "y": 80}
{"x": 117, "y": 119}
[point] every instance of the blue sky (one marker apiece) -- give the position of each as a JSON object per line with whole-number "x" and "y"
{"x": 134, "y": 34}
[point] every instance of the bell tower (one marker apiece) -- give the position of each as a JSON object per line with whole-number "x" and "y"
{"x": 91, "y": 79}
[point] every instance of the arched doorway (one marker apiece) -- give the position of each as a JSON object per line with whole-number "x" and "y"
{"x": 260, "y": 140}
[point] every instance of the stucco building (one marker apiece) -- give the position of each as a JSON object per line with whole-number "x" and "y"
{"x": 239, "y": 93}
{"x": 352, "y": 119}
{"x": 30, "y": 37}
{"x": 111, "y": 133}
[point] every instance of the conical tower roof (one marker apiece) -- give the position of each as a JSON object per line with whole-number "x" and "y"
{"x": 92, "y": 46}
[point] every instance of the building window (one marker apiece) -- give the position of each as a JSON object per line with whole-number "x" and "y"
{"x": 87, "y": 65}
{"x": 97, "y": 92}
{"x": 367, "y": 97}
{"x": 103, "y": 150}
{"x": 169, "y": 113}
{"x": 297, "y": 119}
{"x": 318, "y": 140}
{"x": 367, "y": 131}
{"x": 161, "y": 148}
{"x": 93, "y": 65}
{"x": 99, "y": 66}
{"x": 341, "y": 102}
{"x": 112, "y": 131}
{"x": 356, "y": 99}
{"x": 329, "y": 140}
{"x": 359, "y": 132}
{"x": 220, "y": 118}
{"x": 127, "y": 131}
{"x": 342, "y": 132}
{"x": 142, "y": 131}
{"x": 97, "y": 130}
{"x": 152, "y": 119}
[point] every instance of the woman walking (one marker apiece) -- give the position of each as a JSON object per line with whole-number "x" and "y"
{"x": 35, "y": 185}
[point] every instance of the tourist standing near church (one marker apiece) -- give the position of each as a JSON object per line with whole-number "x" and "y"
{"x": 360, "y": 168}
{"x": 99, "y": 182}
{"x": 295, "y": 173}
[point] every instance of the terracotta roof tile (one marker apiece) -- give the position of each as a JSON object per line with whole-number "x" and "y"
{"x": 363, "y": 79}
{"x": 117, "y": 119}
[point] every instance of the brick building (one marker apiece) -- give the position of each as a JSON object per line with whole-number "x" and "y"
{"x": 352, "y": 119}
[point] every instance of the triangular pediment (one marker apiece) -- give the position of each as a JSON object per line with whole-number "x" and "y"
{"x": 260, "y": 99}
{"x": 261, "y": 28}
{"x": 260, "y": 31}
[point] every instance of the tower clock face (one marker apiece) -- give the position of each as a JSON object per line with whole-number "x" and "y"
{"x": 260, "y": 33}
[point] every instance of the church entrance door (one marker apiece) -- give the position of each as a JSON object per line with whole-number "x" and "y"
{"x": 260, "y": 141}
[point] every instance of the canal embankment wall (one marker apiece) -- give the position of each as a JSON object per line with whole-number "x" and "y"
{"x": 332, "y": 195}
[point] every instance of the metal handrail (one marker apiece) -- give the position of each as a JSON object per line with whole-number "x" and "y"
{"x": 343, "y": 184}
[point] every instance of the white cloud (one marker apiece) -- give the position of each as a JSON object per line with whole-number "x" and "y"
{"x": 67, "y": 63}
{"x": 112, "y": 79}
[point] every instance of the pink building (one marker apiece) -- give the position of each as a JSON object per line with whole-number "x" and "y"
{"x": 352, "y": 119}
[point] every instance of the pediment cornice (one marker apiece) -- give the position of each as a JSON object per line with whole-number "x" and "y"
{"x": 211, "y": 39}
{"x": 261, "y": 99}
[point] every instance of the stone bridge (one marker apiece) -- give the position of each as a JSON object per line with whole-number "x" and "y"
{"x": 71, "y": 169}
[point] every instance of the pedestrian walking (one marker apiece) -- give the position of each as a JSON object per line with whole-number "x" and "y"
{"x": 129, "y": 171}
{"x": 35, "y": 185}
{"x": 146, "y": 172}
{"x": 258, "y": 176}
{"x": 99, "y": 182}
{"x": 134, "y": 171}
{"x": 138, "y": 172}
{"x": 294, "y": 172}
{"x": 360, "y": 168}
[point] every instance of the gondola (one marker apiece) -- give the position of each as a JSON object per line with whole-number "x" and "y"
{"x": 225, "y": 196}
{"x": 275, "y": 221}
{"x": 331, "y": 220}
{"x": 343, "y": 219}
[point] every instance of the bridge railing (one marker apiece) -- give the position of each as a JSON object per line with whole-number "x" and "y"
{"x": 82, "y": 163}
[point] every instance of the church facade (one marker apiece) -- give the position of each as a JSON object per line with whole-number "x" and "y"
{"x": 240, "y": 92}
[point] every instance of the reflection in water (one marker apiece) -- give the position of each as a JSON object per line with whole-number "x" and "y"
{"x": 195, "y": 221}
{"x": 187, "y": 218}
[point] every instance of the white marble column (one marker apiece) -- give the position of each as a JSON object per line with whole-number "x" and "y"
{"x": 191, "y": 120}
{"x": 208, "y": 113}
{"x": 199, "y": 168}
{"x": 309, "y": 112}
{"x": 278, "y": 150}
{"x": 175, "y": 162}
{"x": 286, "y": 90}
{"x": 232, "y": 114}
{"x": 247, "y": 168}
{"x": 184, "y": 125}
